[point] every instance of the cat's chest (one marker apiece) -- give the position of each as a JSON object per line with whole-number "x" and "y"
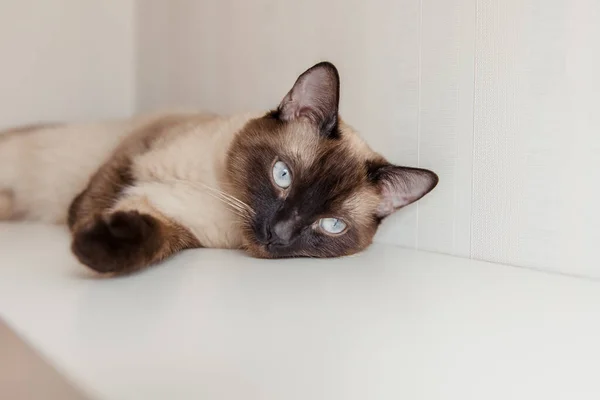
{"x": 185, "y": 186}
{"x": 212, "y": 222}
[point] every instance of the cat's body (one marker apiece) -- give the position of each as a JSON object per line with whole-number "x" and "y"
{"x": 134, "y": 192}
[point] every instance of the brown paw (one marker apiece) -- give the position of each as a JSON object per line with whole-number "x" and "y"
{"x": 120, "y": 242}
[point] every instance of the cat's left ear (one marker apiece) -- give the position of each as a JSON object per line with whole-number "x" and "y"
{"x": 315, "y": 97}
{"x": 400, "y": 186}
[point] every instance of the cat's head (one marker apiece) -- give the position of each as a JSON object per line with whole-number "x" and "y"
{"x": 317, "y": 190}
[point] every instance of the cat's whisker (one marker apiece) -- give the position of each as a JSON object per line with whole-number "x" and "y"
{"x": 235, "y": 208}
{"x": 243, "y": 209}
{"x": 233, "y": 201}
{"x": 241, "y": 212}
{"x": 221, "y": 192}
{"x": 227, "y": 195}
{"x": 238, "y": 211}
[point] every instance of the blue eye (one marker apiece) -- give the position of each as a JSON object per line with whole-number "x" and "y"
{"x": 282, "y": 175}
{"x": 332, "y": 225}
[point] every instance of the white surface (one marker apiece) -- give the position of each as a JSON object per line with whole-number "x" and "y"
{"x": 389, "y": 324}
{"x": 497, "y": 96}
{"x": 66, "y": 60}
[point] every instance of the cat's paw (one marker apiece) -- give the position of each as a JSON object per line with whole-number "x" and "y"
{"x": 119, "y": 242}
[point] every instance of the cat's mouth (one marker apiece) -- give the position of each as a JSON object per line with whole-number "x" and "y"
{"x": 267, "y": 250}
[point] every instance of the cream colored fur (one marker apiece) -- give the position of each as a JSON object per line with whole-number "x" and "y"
{"x": 176, "y": 179}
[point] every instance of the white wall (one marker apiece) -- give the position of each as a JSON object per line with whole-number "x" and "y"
{"x": 66, "y": 60}
{"x": 536, "y": 164}
{"x": 498, "y": 96}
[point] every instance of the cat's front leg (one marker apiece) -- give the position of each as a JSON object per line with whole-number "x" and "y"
{"x": 116, "y": 242}
{"x": 126, "y": 241}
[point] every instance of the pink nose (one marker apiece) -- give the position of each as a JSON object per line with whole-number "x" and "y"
{"x": 283, "y": 231}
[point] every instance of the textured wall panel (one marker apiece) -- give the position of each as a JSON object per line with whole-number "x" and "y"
{"x": 391, "y": 107}
{"x": 536, "y": 143}
{"x": 446, "y": 123}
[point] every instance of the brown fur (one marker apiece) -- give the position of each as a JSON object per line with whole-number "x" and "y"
{"x": 109, "y": 239}
{"x": 330, "y": 179}
{"x": 6, "y": 204}
{"x": 125, "y": 241}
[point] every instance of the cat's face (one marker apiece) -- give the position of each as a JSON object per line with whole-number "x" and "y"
{"x": 315, "y": 188}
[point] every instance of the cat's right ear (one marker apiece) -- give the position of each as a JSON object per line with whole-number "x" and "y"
{"x": 314, "y": 97}
{"x": 399, "y": 186}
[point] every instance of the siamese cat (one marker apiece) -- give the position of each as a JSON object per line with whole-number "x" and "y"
{"x": 292, "y": 182}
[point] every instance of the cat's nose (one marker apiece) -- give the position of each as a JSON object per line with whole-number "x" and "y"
{"x": 283, "y": 231}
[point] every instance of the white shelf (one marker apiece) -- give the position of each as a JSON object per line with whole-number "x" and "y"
{"x": 388, "y": 324}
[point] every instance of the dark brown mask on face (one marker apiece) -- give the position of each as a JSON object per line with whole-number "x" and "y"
{"x": 316, "y": 188}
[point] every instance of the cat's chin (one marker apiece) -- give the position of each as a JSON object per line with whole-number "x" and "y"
{"x": 258, "y": 251}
